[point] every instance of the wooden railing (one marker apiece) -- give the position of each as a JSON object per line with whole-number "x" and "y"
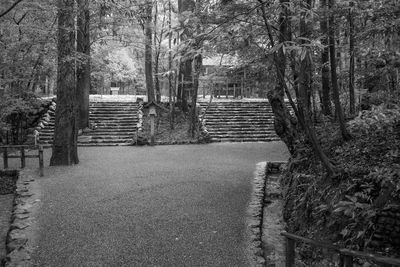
{"x": 23, "y": 155}
{"x": 346, "y": 255}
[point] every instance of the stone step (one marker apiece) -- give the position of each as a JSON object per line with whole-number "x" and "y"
{"x": 228, "y": 139}
{"x": 242, "y": 123}
{"x": 112, "y": 117}
{"x": 238, "y": 118}
{"x": 115, "y": 124}
{"x": 240, "y": 126}
{"x": 252, "y": 132}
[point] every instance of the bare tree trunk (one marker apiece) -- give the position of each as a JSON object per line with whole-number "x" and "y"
{"x": 335, "y": 87}
{"x": 352, "y": 61}
{"x": 197, "y": 62}
{"x": 66, "y": 121}
{"x": 326, "y": 99}
{"x": 186, "y": 63}
{"x": 285, "y": 126}
{"x": 83, "y": 68}
{"x": 157, "y": 49}
{"x": 171, "y": 104}
{"x": 148, "y": 65}
{"x": 305, "y": 80}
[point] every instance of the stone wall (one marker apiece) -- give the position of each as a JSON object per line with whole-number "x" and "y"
{"x": 388, "y": 227}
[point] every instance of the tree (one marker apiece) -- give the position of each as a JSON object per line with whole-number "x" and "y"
{"x": 305, "y": 79}
{"x": 352, "y": 57}
{"x": 326, "y": 99}
{"x": 285, "y": 127}
{"x": 5, "y": 12}
{"x": 185, "y": 79}
{"x": 334, "y": 79}
{"x": 66, "y": 119}
{"x": 83, "y": 69}
{"x": 148, "y": 66}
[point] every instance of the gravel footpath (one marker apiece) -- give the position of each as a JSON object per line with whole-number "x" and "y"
{"x": 150, "y": 206}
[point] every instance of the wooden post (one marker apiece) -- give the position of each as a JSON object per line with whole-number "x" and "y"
{"x": 242, "y": 89}
{"x": 41, "y": 173}
{"x": 290, "y": 253}
{"x": 227, "y": 89}
{"x": 22, "y": 157}
{"x": 152, "y": 129}
{"x": 5, "y": 158}
{"x": 346, "y": 261}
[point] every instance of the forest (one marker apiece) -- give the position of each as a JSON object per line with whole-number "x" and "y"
{"x": 329, "y": 68}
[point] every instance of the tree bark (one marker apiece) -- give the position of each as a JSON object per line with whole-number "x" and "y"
{"x": 170, "y": 97}
{"x": 148, "y": 65}
{"x": 66, "y": 119}
{"x": 352, "y": 59}
{"x": 157, "y": 49}
{"x": 197, "y": 62}
{"x": 2, "y": 14}
{"x": 83, "y": 68}
{"x": 305, "y": 80}
{"x": 334, "y": 80}
{"x": 186, "y": 62}
{"x": 285, "y": 126}
{"x": 326, "y": 99}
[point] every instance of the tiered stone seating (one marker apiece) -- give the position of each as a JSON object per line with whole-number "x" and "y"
{"x": 114, "y": 124}
{"x": 240, "y": 121}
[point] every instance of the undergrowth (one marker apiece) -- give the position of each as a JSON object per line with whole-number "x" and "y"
{"x": 344, "y": 209}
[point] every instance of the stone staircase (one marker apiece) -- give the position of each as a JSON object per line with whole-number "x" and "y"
{"x": 114, "y": 124}
{"x": 240, "y": 121}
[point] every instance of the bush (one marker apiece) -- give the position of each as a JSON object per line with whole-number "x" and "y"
{"x": 18, "y": 113}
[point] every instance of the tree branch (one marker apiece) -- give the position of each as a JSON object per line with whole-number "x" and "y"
{"x": 10, "y": 8}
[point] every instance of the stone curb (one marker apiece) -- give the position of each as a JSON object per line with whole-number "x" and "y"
{"x": 255, "y": 211}
{"x": 18, "y": 253}
{"x": 255, "y": 216}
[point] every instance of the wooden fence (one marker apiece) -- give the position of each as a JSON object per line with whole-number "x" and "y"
{"x": 346, "y": 255}
{"x": 22, "y": 155}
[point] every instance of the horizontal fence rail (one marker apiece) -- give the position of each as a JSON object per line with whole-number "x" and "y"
{"x": 346, "y": 255}
{"x": 23, "y": 156}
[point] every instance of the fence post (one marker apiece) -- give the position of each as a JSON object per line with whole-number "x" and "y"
{"x": 290, "y": 253}
{"x": 22, "y": 157}
{"x": 5, "y": 158}
{"x": 41, "y": 160}
{"x": 346, "y": 261}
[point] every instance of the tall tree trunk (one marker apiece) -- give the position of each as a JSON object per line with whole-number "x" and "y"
{"x": 335, "y": 87}
{"x": 197, "y": 62}
{"x": 171, "y": 104}
{"x": 157, "y": 49}
{"x": 148, "y": 65}
{"x": 66, "y": 120}
{"x": 285, "y": 126}
{"x": 305, "y": 80}
{"x": 326, "y": 99}
{"x": 352, "y": 59}
{"x": 186, "y": 62}
{"x": 83, "y": 68}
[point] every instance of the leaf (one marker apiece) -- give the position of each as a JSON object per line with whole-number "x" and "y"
{"x": 344, "y": 232}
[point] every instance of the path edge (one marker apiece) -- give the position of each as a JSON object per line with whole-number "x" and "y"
{"x": 19, "y": 237}
{"x": 255, "y": 211}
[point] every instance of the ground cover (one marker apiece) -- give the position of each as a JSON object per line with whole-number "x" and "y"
{"x": 7, "y": 188}
{"x": 357, "y": 208}
{"x": 163, "y": 132}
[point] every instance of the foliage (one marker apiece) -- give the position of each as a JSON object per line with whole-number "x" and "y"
{"x": 345, "y": 209}
{"x": 19, "y": 112}
{"x": 27, "y": 53}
